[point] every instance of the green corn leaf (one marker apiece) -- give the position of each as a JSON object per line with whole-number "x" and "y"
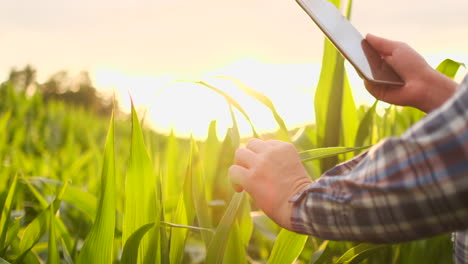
{"x": 331, "y": 99}
{"x": 12, "y": 233}
{"x": 321, "y": 153}
{"x": 320, "y": 254}
{"x": 196, "y": 228}
{"x": 34, "y": 231}
{"x": 5, "y": 218}
{"x": 53, "y": 255}
{"x": 288, "y": 246}
{"x": 64, "y": 187}
{"x": 172, "y": 175}
{"x": 141, "y": 206}
{"x": 163, "y": 241}
{"x": 235, "y": 249}
{"x": 232, "y": 102}
{"x": 2, "y": 261}
{"x": 266, "y": 101}
{"x": 199, "y": 194}
{"x": 210, "y": 157}
{"x": 178, "y": 235}
{"x": 449, "y": 67}
{"x": 359, "y": 253}
{"x": 234, "y": 132}
{"x": 3, "y": 129}
{"x": 98, "y": 245}
{"x": 42, "y": 201}
{"x": 215, "y": 252}
{"x": 66, "y": 254}
{"x": 349, "y": 117}
{"x": 184, "y": 215}
{"x": 245, "y": 221}
{"x": 366, "y": 125}
{"x": 83, "y": 201}
{"x": 130, "y": 250}
{"x": 349, "y": 9}
{"x": 158, "y": 240}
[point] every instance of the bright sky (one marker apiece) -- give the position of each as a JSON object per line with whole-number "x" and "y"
{"x": 142, "y": 45}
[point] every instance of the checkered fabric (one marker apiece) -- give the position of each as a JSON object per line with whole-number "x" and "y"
{"x": 404, "y": 188}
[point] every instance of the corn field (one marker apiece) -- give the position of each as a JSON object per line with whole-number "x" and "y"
{"x": 77, "y": 188}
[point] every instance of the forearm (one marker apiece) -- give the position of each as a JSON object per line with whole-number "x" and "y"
{"x": 377, "y": 214}
{"x": 405, "y": 188}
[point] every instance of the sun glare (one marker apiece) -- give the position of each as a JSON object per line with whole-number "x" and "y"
{"x": 182, "y": 105}
{"x": 179, "y": 104}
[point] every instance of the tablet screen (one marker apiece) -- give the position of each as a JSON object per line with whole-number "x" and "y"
{"x": 350, "y": 42}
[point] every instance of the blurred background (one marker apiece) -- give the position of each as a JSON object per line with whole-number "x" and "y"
{"x": 141, "y": 47}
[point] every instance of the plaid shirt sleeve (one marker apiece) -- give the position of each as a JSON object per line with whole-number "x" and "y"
{"x": 403, "y": 188}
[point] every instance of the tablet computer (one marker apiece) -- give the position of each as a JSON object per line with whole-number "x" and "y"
{"x": 351, "y": 44}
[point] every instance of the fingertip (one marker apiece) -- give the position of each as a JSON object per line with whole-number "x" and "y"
{"x": 237, "y": 174}
{"x": 369, "y": 35}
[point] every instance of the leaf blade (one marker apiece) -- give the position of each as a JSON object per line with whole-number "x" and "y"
{"x": 98, "y": 245}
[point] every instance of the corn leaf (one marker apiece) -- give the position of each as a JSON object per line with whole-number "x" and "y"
{"x": 12, "y": 233}
{"x": 199, "y": 194}
{"x": 331, "y": 99}
{"x": 173, "y": 173}
{"x": 321, "y": 153}
{"x": 449, "y": 67}
{"x": 5, "y": 218}
{"x": 130, "y": 250}
{"x": 34, "y": 231}
{"x": 184, "y": 215}
{"x": 288, "y": 246}
{"x": 98, "y": 245}
{"x": 83, "y": 201}
{"x": 365, "y": 127}
{"x": 164, "y": 243}
{"x": 245, "y": 221}
{"x": 235, "y": 249}
{"x": 359, "y": 253}
{"x": 141, "y": 206}
{"x": 266, "y": 101}
{"x": 3, "y": 129}
{"x": 210, "y": 153}
{"x": 66, "y": 254}
{"x": 349, "y": 117}
{"x": 2, "y": 261}
{"x": 232, "y": 102}
{"x": 320, "y": 254}
{"x": 53, "y": 255}
{"x": 216, "y": 250}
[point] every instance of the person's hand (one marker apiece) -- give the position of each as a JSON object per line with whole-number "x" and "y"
{"x": 272, "y": 173}
{"x": 425, "y": 88}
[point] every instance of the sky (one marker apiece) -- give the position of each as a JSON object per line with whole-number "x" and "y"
{"x": 142, "y": 46}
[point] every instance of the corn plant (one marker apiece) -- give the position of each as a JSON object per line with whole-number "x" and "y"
{"x": 74, "y": 190}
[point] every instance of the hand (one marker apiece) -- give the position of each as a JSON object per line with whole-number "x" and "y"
{"x": 425, "y": 88}
{"x": 272, "y": 173}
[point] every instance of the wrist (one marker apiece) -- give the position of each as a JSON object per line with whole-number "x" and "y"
{"x": 289, "y": 206}
{"x": 439, "y": 88}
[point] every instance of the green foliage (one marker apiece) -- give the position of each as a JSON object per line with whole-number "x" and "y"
{"x": 164, "y": 199}
{"x": 98, "y": 245}
{"x": 141, "y": 204}
{"x": 287, "y": 247}
{"x": 222, "y": 235}
{"x": 449, "y": 67}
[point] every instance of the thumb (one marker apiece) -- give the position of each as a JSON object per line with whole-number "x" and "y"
{"x": 384, "y": 46}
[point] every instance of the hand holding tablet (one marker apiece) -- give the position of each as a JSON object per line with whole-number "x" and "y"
{"x": 366, "y": 60}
